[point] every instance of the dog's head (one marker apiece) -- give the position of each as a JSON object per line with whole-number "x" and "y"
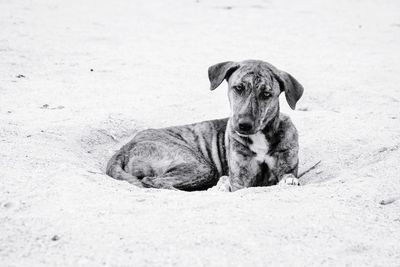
{"x": 253, "y": 88}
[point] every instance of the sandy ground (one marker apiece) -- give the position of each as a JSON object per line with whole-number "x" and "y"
{"x": 79, "y": 78}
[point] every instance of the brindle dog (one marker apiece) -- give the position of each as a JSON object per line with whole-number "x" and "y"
{"x": 256, "y": 146}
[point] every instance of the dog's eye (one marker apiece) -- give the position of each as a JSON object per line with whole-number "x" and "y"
{"x": 238, "y": 89}
{"x": 265, "y": 95}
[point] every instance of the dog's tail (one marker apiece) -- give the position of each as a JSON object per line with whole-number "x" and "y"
{"x": 115, "y": 169}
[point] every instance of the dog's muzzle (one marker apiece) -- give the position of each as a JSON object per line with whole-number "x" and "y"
{"x": 245, "y": 126}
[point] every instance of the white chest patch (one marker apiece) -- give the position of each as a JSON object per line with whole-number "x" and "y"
{"x": 260, "y": 146}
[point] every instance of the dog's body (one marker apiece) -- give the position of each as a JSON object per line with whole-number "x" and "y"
{"x": 256, "y": 146}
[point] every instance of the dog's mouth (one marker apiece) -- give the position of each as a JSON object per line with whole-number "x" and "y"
{"x": 245, "y": 129}
{"x": 242, "y": 134}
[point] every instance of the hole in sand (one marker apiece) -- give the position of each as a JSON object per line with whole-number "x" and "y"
{"x": 101, "y": 142}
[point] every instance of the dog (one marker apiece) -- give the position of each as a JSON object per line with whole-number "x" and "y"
{"x": 256, "y": 146}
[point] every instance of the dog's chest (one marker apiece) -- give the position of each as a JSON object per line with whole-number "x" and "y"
{"x": 260, "y": 146}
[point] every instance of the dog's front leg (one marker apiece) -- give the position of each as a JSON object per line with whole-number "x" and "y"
{"x": 286, "y": 156}
{"x": 287, "y": 166}
{"x": 243, "y": 168}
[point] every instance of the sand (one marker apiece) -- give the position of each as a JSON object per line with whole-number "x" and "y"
{"x": 80, "y": 78}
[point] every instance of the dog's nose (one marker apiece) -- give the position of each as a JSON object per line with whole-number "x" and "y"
{"x": 245, "y": 126}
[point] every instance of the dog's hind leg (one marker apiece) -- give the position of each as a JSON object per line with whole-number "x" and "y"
{"x": 187, "y": 177}
{"x": 115, "y": 170}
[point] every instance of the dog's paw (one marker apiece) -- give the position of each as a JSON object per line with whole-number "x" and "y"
{"x": 222, "y": 185}
{"x": 157, "y": 182}
{"x": 289, "y": 179}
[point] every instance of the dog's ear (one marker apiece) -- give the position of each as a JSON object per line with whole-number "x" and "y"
{"x": 218, "y": 72}
{"x": 293, "y": 89}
